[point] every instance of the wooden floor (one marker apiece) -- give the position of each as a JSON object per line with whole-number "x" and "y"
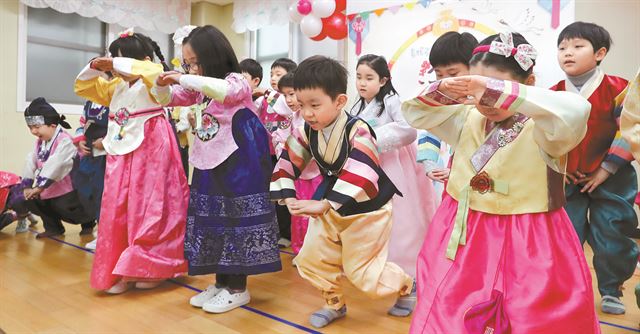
{"x": 44, "y": 287}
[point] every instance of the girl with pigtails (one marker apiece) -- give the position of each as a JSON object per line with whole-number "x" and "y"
{"x": 144, "y": 205}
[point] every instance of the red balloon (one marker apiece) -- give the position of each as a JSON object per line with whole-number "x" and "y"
{"x": 335, "y": 26}
{"x": 341, "y": 5}
{"x": 322, "y": 35}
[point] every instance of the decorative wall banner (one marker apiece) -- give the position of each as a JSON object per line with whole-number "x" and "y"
{"x": 404, "y": 33}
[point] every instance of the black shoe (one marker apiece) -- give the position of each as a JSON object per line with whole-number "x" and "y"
{"x": 87, "y": 229}
{"x": 47, "y": 234}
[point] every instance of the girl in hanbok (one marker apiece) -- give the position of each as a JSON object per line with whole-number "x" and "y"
{"x": 501, "y": 255}
{"x": 379, "y": 105}
{"x": 144, "y": 204}
{"x": 231, "y": 225}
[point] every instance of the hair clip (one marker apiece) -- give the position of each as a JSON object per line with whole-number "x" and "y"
{"x": 126, "y": 33}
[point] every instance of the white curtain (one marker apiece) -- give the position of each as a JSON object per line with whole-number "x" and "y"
{"x": 254, "y": 14}
{"x": 155, "y": 15}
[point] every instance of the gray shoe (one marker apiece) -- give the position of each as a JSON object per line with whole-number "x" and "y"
{"x": 404, "y": 304}
{"x": 23, "y": 226}
{"x": 325, "y": 316}
{"x": 612, "y": 305}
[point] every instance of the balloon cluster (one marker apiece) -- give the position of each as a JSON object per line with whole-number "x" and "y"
{"x": 320, "y": 19}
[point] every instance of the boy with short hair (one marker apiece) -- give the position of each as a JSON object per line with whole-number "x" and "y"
{"x": 252, "y": 71}
{"x": 276, "y": 115}
{"x": 352, "y": 207}
{"x": 601, "y": 183}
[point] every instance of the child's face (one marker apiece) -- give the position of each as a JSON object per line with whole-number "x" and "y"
{"x": 190, "y": 60}
{"x": 496, "y": 114}
{"x": 43, "y": 132}
{"x": 253, "y": 82}
{"x": 290, "y": 96}
{"x": 276, "y": 73}
{"x": 576, "y": 56}
{"x": 451, "y": 70}
{"x": 368, "y": 82}
{"x": 318, "y": 109}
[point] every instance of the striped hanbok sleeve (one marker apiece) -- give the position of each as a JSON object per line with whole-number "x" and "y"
{"x": 358, "y": 179}
{"x": 428, "y": 147}
{"x": 620, "y": 151}
{"x": 630, "y": 119}
{"x": 293, "y": 159}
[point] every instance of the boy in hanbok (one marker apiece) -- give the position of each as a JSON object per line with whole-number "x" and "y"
{"x": 352, "y": 206}
{"x": 602, "y": 184}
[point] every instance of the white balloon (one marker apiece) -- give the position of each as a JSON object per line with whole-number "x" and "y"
{"x": 311, "y": 26}
{"x": 294, "y": 15}
{"x": 323, "y": 8}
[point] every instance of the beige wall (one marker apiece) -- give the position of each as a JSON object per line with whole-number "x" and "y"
{"x": 203, "y": 13}
{"x": 620, "y": 17}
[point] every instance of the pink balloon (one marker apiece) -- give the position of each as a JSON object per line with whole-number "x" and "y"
{"x": 304, "y": 7}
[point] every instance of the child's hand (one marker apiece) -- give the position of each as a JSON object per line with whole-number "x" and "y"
{"x": 32, "y": 193}
{"x": 98, "y": 144}
{"x": 191, "y": 116}
{"x": 574, "y": 178}
{"x": 311, "y": 208}
{"x": 594, "y": 180}
{"x": 104, "y": 64}
{"x": 439, "y": 174}
{"x": 259, "y": 91}
{"x": 466, "y": 89}
{"x": 168, "y": 78}
{"x": 84, "y": 149}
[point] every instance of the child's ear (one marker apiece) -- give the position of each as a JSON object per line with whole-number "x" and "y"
{"x": 601, "y": 53}
{"x": 147, "y": 58}
{"x": 383, "y": 81}
{"x": 256, "y": 81}
{"x": 341, "y": 101}
{"x": 530, "y": 80}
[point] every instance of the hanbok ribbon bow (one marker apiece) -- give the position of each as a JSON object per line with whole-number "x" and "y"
{"x": 126, "y": 33}
{"x": 524, "y": 54}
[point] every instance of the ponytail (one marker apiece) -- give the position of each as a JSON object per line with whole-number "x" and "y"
{"x": 158, "y": 52}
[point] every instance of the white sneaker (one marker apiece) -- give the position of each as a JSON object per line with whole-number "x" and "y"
{"x": 92, "y": 245}
{"x": 118, "y": 288}
{"x": 22, "y": 226}
{"x": 226, "y": 301}
{"x": 204, "y": 296}
{"x": 284, "y": 243}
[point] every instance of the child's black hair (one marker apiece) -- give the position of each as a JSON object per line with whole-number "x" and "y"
{"x": 452, "y": 48}
{"x": 596, "y": 35}
{"x": 500, "y": 62}
{"x": 323, "y": 73}
{"x": 286, "y": 81}
{"x": 215, "y": 54}
{"x": 286, "y": 63}
{"x": 380, "y": 66}
{"x": 252, "y": 67}
{"x": 137, "y": 46}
